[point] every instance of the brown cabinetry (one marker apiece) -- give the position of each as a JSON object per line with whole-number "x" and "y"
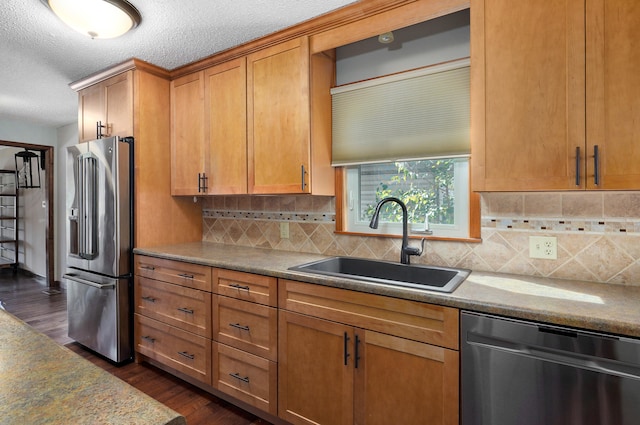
{"x": 289, "y": 120}
{"x": 348, "y": 357}
{"x": 555, "y": 87}
{"x": 259, "y": 124}
{"x": 132, "y": 99}
{"x": 208, "y": 142}
{"x": 172, "y": 322}
{"x": 246, "y": 337}
{"x": 106, "y": 108}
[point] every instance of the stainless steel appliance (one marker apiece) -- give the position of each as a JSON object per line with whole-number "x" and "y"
{"x": 99, "y": 243}
{"x": 525, "y": 373}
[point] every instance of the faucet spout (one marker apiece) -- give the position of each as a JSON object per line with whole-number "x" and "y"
{"x": 406, "y": 251}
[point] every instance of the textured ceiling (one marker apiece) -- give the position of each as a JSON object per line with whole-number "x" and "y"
{"x": 41, "y": 55}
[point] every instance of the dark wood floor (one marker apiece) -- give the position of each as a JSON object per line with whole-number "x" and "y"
{"x": 26, "y": 298}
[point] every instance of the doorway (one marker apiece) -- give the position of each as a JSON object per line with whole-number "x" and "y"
{"x": 46, "y": 161}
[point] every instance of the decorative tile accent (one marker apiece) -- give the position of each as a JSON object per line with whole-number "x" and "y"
{"x": 275, "y": 216}
{"x": 598, "y": 225}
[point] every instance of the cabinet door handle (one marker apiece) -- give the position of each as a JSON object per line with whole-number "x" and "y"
{"x": 99, "y": 128}
{"x": 303, "y": 173}
{"x": 237, "y": 286}
{"x": 596, "y": 165}
{"x": 185, "y": 275}
{"x": 202, "y": 182}
{"x": 239, "y": 326}
{"x": 148, "y": 298}
{"x": 577, "y": 165}
{"x": 357, "y": 351}
{"x": 148, "y": 268}
{"x": 239, "y": 377}
{"x": 187, "y": 355}
{"x": 346, "y": 349}
{"x": 148, "y": 338}
{"x": 185, "y": 310}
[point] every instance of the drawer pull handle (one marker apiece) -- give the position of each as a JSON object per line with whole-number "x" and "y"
{"x": 239, "y": 377}
{"x": 239, "y": 326}
{"x": 187, "y": 355}
{"x": 148, "y": 338}
{"x": 148, "y": 298}
{"x": 185, "y": 310}
{"x": 185, "y": 275}
{"x": 237, "y": 286}
{"x": 148, "y": 268}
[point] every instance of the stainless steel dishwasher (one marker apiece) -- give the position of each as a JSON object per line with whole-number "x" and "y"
{"x": 524, "y": 373}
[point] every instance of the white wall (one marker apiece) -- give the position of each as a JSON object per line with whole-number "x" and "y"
{"x": 35, "y": 256}
{"x": 67, "y": 136}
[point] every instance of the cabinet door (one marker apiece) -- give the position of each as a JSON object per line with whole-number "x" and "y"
{"x": 613, "y": 93}
{"x": 315, "y": 380}
{"x": 187, "y": 134}
{"x": 528, "y": 91}
{"x": 399, "y": 381}
{"x": 90, "y": 111}
{"x": 118, "y": 92}
{"x": 278, "y": 118}
{"x": 226, "y": 123}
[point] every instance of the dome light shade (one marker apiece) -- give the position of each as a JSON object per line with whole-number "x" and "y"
{"x": 96, "y": 18}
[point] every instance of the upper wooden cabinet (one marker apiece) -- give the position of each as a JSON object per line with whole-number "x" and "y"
{"x": 552, "y": 85}
{"x": 108, "y": 103}
{"x": 613, "y": 93}
{"x": 187, "y": 134}
{"x": 289, "y": 120}
{"x": 134, "y": 99}
{"x": 208, "y": 131}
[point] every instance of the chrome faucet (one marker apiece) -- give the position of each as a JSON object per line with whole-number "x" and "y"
{"x": 406, "y": 251}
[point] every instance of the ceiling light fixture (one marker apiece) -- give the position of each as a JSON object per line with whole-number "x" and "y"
{"x": 386, "y": 38}
{"x": 96, "y": 18}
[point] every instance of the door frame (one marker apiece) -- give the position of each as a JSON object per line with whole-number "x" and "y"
{"x": 49, "y": 199}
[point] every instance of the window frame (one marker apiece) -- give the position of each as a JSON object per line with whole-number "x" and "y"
{"x": 342, "y": 200}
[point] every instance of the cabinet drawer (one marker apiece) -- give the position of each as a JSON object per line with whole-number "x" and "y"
{"x": 181, "y": 350}
{"x": 246, "y": 377}
{"x": 246, "y": 286}
{"x": 184, "y": 308}
{"x": 248, "y": 326}
{"x": 414, "y": 320}
{"x": 185, "y": 274}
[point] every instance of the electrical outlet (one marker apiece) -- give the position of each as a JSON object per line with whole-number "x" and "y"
{"x": 543, "y": 247}
{"x": 284, "y": 230}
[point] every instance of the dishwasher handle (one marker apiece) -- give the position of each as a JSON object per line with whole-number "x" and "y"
{"x": 566, "y": 358}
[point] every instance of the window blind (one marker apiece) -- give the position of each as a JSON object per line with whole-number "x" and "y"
{"x": 418, "y": 114}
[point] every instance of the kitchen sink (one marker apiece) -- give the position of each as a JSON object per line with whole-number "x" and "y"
{"x": 442, "y": 279}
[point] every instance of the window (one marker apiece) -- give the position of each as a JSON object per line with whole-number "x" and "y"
{"x": 435, "y": 191}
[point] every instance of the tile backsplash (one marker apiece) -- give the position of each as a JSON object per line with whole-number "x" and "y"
{"x": 598, "y": 233}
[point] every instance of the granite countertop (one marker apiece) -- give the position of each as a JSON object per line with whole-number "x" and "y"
{"x": 587, "y": 305}
{"x": 46, "y": 383}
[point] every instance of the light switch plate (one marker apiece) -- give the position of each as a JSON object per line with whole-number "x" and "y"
{"x": 543, "y": 247}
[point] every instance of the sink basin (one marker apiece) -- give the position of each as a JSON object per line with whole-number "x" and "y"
{"x": 432, "y": 278}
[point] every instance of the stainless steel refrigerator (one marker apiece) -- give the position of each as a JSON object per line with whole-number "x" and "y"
{"x": 99, "y": 210}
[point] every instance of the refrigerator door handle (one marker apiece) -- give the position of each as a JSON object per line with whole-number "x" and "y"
{"x": 80, "y": 198}
{"x": 87, "y": 187}
{"x": 88, "y": 282}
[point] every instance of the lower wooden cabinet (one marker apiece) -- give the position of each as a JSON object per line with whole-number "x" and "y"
{"x": 315, "y": 370}
{"x": 178, "y": 349}
{"x": 246, "y": 377}
{"x": 331, "y": 373}
{"x": 404, "y": 382}
{"x": 305, "y": 353}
